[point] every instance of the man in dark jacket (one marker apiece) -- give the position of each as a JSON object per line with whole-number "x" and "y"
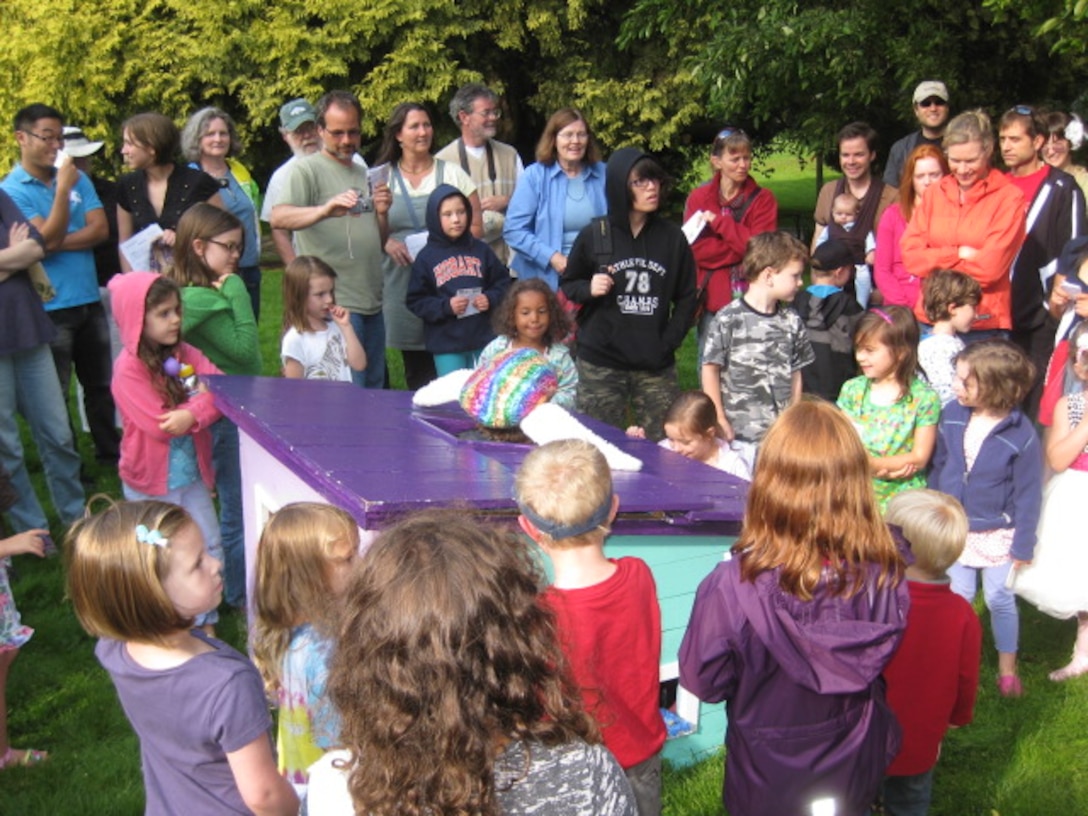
{"x": 634, "y": 275}
{"x": 1055, "y": 214}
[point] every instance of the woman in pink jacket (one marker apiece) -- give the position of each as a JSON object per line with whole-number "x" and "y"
{"x": 926, "y": 165}
{"x": 166, "y": 411}
{"x": 971, "y": 221}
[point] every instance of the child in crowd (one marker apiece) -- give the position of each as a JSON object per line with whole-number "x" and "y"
{"x": 166, "y": 447}
{"x": 892, "y": 408}
{"x": 830, "y": 316}
{"x": 217, "y": 318}
{"x": 1069, "y": 306}
{"x": 13, "y": 634}
{"x": 303, "y": 561}
{"x": 794, "y": 630}
{"x": 607, "y": 613}
{"x": 1055, "y": 580}
{"x": 845, "y": 209}
{"x": 530, "y": 316}
{"x": 756, "y": 348}
{"x": 989, "y": 458}
{"x": 318, "y": 341}
{"x": 692, "y": 430}
{"x": 933, "y": 676}
{"x": 138, "y": 576}
{"x": 456, "y": 278}
{"x": 949, "y": 299}
{"x": 448, "y": 678}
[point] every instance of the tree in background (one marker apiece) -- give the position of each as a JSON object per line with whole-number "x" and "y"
{"x": 660, "y": 73}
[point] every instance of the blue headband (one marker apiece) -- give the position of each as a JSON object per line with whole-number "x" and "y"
{"x": 557, "y": 532}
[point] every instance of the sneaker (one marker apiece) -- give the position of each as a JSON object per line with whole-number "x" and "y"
{"x": 1010, "y": 686}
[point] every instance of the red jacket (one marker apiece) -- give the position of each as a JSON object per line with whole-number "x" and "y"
{"x": 722, "y": 242}
{"x": 933, "y": 676}
{"x": 991, "y": 220}
{"x": 145, "y": 449}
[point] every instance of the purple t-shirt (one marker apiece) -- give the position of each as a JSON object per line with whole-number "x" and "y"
{"x": 188, "y": 719}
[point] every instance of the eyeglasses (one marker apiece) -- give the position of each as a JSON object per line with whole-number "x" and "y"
{"x": 933, "y": 102}
{"x": 48, "y": 138}
{"x": 576, "y": 136}
{"x": 231, "y": 248}
{"x": 489, "y": 113}
{"x": 643, "y": 183}
{"x": 354, "y": 133}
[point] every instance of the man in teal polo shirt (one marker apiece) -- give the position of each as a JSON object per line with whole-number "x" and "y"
{"x": 61, "y": 202}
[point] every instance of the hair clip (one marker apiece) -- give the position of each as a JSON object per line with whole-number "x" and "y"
{"x": 152, "y": 537}
{"x": 882, "y": 315}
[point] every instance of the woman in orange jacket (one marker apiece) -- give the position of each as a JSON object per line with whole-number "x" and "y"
{"x": 972, "y": 221}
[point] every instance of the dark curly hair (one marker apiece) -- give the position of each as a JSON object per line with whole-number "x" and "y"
{"x": 504, "y": 318}
{"x": 445, "y": 653}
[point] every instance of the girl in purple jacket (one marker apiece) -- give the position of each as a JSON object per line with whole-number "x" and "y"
{"x": 794, "y": 630}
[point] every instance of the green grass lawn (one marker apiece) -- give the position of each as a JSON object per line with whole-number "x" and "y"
{"x": 1026, "y": 757}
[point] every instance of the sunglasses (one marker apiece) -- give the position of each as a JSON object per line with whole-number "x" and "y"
{"x": 933, "y": 102}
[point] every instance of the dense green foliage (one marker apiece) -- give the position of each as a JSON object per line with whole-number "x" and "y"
{"x": 658, "y": 73}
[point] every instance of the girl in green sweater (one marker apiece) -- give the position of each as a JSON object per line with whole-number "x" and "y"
{"x": 217, "y": 318}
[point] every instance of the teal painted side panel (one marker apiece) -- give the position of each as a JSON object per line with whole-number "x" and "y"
{"x": 679, "y": 565}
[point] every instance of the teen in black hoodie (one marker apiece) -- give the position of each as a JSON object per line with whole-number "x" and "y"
{"x": 634, "y": 275}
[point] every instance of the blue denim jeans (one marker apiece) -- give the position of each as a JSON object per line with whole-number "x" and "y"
{"x": 370, "y": 329}
{"x": 228, "y": 486}
{"x": 29, "y": 385}
{"x": 908, "y": 795}
{"x": 197, "y": 501}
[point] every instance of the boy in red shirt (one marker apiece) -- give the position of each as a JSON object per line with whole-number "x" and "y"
{"x": 933, "y": 677}
{"x": 606, "y": 609}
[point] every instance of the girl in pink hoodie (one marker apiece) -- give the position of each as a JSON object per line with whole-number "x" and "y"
{"x": 166, "y": 411}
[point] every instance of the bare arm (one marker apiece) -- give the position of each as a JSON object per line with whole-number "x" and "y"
{"x": 478, "y": 215}
{"x": 21, "y": 252}
{"x": 1064, "y": 444}
{"x": 354, "y": 349}
{"x": 904, "y": 465}
{"x": 795, "y": 387}
{"x": 294, "y": 218}
{"x": 91, "y": 235}
{"x": 711, "y": 379}
{"x": 285, "y": 248}
{"x": 55, "y": 227}
{"x": 263, "y": 790}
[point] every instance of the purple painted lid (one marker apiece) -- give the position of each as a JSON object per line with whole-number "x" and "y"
{"x": 376, "y": 456}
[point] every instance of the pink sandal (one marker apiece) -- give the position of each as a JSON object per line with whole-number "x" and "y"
{"x": 13, "y": 758}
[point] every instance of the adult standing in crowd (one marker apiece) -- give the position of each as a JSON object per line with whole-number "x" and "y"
{"x": 634, "y": 276}
{"x": 159, "y": 189}
{"x": 61, "y": 203}
{"x": 413, "y": 174}
{"x": 210, "y": 142}
{"x": 493, "y": 166}
{"x": 28, "y": 382}
{"x": 925, "y": 165}
{"x": 555, "y": 198}
{"x": 733, "y": 208}
{"x": 298, "y": 127}
{"x": 972, "y": 221}
{"x": 857, "y": 152}
{"x": 1064, "y": 134}
{"x": 931, "y": 110}
{"x": 327, "y": 203}
{"x": 1055, "y": 214}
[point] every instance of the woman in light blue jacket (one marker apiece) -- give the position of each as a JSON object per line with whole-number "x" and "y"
{"x": 555, "y": 198}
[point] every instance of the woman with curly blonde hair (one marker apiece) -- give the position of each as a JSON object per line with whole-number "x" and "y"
{"x": 452, "y": 690}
